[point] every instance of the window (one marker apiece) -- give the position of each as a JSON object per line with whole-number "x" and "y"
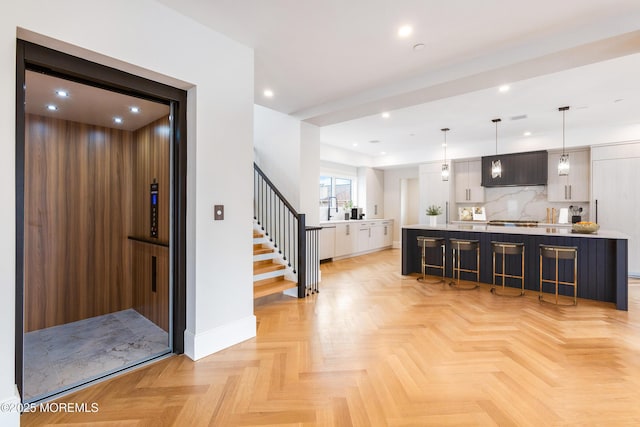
{"x": 340, "y": 188}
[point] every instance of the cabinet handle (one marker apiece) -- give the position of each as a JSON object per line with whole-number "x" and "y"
{"x": 347, "y": 229}
{"x": 569, "y": 192}
{"x": 385, "y": 230}
{"x": 565, "y": 192}
{"x": 369, "y": 232}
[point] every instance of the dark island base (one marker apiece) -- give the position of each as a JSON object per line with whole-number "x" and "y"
{"x": 602, "y": 263}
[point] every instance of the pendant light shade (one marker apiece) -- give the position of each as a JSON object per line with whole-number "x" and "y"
{"x": 496, "y": 165}
{"x": 445, "y": 165}
{"x": 563, "y": 164}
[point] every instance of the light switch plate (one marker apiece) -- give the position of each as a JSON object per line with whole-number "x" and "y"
{"x": 218, "y": 212}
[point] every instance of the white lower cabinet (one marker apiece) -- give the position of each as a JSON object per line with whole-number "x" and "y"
{"x": 346, "y": 239}
{"x": 387, "y": 233}
{"x": 374, "y": 235}
{"x": 361, "y": 236}
{"x": 327, "y": 242}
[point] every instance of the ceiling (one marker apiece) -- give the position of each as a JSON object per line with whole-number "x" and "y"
{"x": 80, "y": 104}
{"x": 339, "y": 64}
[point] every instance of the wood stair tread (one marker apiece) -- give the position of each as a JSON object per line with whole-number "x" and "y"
{"x": 272, "y": 287}
{"x": 266, "y": 268}
{"x": 260, "y": 251}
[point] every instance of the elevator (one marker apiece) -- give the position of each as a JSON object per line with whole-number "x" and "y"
{"x": 100, "y": 268}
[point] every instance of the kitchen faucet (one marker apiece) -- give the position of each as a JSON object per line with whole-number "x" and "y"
{"x": 329, "y": 207}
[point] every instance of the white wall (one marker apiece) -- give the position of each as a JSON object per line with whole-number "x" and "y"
{"x": 288, "y": 152}
{"x": 310, "y": 172}
{"x": 276, "y": 140}
{"x": 155, "y": 41}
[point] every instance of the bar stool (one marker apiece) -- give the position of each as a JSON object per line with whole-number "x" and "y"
{"x": 431, "y": 242}
{"x": 458, "y": 246}
{"x": 504, "y": 249}
{"x": 557, "y": 253}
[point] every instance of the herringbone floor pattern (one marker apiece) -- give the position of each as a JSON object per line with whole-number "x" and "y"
{"x": 375, "y": 348}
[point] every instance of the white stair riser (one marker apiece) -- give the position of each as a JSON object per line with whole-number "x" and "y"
{"x": 268, "y": 275}
{"x": 262, "y": 257}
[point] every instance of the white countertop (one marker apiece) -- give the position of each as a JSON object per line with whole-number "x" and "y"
{"x": 351, "y": 221}
{"x": 547, "y": 230}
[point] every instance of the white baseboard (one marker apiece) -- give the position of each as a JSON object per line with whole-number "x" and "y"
{"x": 10, "y": 414}
{"x": 197, "y": 346}
{"x": 397, "y": 244}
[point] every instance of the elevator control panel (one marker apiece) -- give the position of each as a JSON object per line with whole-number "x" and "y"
{"x": 154, "y": 208}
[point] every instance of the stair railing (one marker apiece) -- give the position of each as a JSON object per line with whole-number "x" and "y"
{"x": 284, "y": 227}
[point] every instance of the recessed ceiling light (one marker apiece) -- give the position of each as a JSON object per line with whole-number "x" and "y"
{"x": 527, "y": 133}
{"x": 444, "y": 144}
{"x": 134, "y": 109}
{"x": 383, "y": 153}
{"x": 355, "y": 144}
{"x": 385, "y": 115}
{"x": 51, "y": 107}
{"x": 418, "y": 46}
{"x": 62, "y": 93}
{"x": 268, "y": 93}
{"x": 504, "y": 88}
{"x": 117, "y": 120}
{"x": 374, "y": 141}
{"x": 405, "y": 31}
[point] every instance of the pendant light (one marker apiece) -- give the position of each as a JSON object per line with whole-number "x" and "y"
{"x": 563, "y": 164}
{"x": 496, "y": 165}
{"x": 445, "y": 165}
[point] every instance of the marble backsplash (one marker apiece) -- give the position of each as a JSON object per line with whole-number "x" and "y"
{"x": 521, "y": 203}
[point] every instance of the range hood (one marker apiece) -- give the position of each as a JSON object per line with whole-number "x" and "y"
{"x": 518, "y": 169}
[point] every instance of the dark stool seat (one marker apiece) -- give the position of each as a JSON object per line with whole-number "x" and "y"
{"x": 458, "y": 246}
{"x": 557, "y": 253}
{"x": 504, "y": 249}
{"x": 425, "y": 243}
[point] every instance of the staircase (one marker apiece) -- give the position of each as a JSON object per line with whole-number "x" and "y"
{"x": 268, "y": 274}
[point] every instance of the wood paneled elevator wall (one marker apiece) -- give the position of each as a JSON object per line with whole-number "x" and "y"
{"x": 86, "y": 191}
{"x": 150, "y": 157}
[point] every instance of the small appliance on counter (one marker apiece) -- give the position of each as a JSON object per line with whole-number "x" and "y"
{"x": 356, "y": 213}
{"x": 576, "y": 212}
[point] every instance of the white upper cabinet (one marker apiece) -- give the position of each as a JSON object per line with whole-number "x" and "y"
{"x": 573, "y": 187}
{"x": 468, "y": 176}
{"x": 371, "y": 192}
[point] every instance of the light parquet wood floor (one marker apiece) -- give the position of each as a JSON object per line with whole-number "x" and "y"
{"x": 376, "y": 348}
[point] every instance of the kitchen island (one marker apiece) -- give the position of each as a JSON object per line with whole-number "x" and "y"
{"x": 602, "y": 256}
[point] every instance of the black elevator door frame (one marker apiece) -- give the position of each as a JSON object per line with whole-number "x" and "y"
{"x": 30, "y": 56}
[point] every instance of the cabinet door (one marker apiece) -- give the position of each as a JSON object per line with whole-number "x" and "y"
{"x": 556, "y": 185}
{"x": 387, "y": 235}
{"x": 617, "y": 202}
{"x": 327, "y": 242}
{"x": 474, "y": 180}
{"x": 346, "y": 235}
{"x": 468, "y": 179}
{"x": 579, "y": 176}
{"x": 461, "y": 178}
{"x": 376, "y": 240}
{"x": 573, "y": 187}
{"x": 364, "y": 235}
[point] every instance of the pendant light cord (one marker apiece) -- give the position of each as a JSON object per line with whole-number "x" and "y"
{"x": 564, "y": 110}
{"x": 496, "y": 121}
{"x": 445, "y": 130}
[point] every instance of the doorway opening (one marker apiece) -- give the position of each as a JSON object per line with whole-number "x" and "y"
{"x": 100, "y": 175}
